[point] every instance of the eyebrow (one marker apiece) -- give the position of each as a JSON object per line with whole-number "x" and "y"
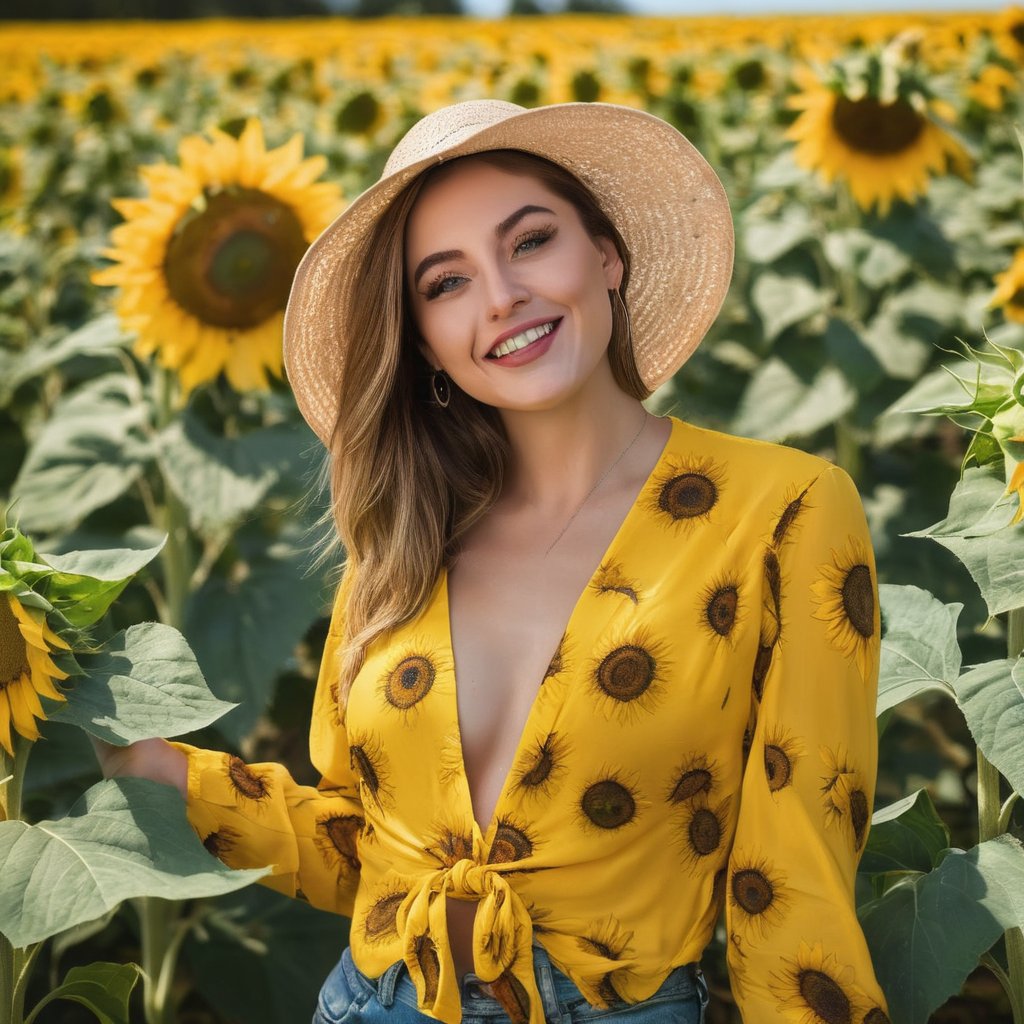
{"x": 500, "y": 231}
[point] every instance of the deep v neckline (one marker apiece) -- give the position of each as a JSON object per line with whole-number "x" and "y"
{"x": 613, "y": 545}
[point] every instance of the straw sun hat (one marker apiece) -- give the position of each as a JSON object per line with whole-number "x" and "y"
{"x": 663, "y": 197}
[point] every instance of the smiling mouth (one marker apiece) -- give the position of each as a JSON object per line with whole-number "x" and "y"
{"x": 523, "y": 339}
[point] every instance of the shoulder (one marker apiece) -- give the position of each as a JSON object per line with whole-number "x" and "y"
{"x": 756, "y": 474}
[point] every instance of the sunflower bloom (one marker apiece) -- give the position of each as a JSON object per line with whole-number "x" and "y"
{"x": 845, "y": 596}
{"x": 882, "y": 150}
{"x": 205, "y": 261}
{"x": 1016, "y": 485}
{"x": 1009, "y": 291}
{"x": 26, "y": 669}
{"x": 1009, "y": 33}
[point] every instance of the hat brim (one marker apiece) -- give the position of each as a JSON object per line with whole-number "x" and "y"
{"x": 664, "y": 198}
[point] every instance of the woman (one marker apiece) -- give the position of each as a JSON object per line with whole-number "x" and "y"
{"x": 666, "y": 638}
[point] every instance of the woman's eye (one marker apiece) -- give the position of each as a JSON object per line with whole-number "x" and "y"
{"x": 533, "y": 239}
{"x": 437, "y": 285}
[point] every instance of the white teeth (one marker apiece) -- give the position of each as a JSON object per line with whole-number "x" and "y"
{"x": 524, "y": 338}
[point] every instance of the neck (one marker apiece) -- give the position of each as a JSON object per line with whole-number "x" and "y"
{"x": 559, "y": 454}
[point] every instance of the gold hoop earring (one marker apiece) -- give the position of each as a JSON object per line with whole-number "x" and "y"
{"x": 440, "y": 386}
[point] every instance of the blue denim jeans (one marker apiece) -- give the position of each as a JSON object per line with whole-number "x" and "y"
{"x": 349, "y": 997}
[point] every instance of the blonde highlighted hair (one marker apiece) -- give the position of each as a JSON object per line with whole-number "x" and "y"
{"x": 407, "y": 478}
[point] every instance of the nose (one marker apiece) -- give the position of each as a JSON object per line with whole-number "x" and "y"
{"x": 504, "y": 293}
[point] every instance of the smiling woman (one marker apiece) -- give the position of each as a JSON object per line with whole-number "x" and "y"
{"x": 563, "y": 719}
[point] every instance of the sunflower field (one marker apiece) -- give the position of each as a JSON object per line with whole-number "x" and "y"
{"x": 162, "y": 513}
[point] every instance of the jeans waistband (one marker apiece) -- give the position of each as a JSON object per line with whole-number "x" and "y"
{"x": 477, "y": 994}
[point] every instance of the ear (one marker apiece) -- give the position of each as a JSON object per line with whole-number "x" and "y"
{"x": 611, "y": 261}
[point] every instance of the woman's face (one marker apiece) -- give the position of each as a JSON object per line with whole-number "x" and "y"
{"x": 507, "y": 288}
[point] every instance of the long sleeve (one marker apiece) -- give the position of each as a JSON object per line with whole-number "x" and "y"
{"x": 254, "y": 815}
{"x": 795, "y": 949}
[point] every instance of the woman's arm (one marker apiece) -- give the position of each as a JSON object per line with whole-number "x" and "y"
{"x": 795, "y": 947}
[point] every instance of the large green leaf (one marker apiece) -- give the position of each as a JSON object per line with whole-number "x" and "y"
{"x": 102, "y": 988}
{"x": 784, "y": 300}
{"x": 876, "y": 261}
{"x": 221, "y": 479}
{"x": 919, "y": 646}
{"x": 101, "y": 335}
{"x": 908, "y": 835}
{"x": 144, "y": 683}
{"x": 125, "y": 837}
{"x": 764, "y": 241}
{"x": 779, "y": 403}
{"x": 927, "y": 933}
{"x": 993, "y": 554}
{"x": 244, "y": 627}
{"x": 991, "y": 697}
{"x": 86, "y": 583}
{"x": 261, "y": 957}
{"x": 88, "y": 453}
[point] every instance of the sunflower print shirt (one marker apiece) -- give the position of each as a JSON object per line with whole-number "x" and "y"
{"x": 703, "y": 738}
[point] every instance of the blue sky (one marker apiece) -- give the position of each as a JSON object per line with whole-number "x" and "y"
{"x": 489, "y": 8}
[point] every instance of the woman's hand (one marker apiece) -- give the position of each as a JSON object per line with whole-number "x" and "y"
{"x": 152, "y": 759}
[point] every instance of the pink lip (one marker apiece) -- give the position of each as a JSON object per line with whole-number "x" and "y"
{"x": 519, "y": 329}
{"x": 532, "y": 351}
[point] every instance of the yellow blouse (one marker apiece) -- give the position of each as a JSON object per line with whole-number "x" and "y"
{"x": 704, "y": 733}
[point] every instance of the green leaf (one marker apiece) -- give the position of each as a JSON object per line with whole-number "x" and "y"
{"x": 976, "y": 531}
{"x": 927, "y": 933}
{"x": 102, "y": 988}
{"x": 991, "y": 697}
{"x": 260, "y": 955}
{"x": 221, "y": 479}
{"x": 847, "y": 350}
{"x": 977, "y": 507}
{"x": 784, "y": 300}
{"x": 144, "y": 683}
{"x": 101, "y": 335}
{"x": 908, "y": 835}
{"x": 765, "y": 241}
{"x": 125, "y": 837}
{"x": 876, "y": 261}
{"x": 919, "y": 646}
{"x": 86, "y": 583}
{"x": 245, "y": 627}
{"x": 778, "y": 403}
{"x": 88, "y": 453}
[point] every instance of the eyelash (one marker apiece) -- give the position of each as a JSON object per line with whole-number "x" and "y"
{"x": 537, "y": 234}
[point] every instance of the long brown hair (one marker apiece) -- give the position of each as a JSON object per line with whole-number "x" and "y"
{"x": 408, "y": 478}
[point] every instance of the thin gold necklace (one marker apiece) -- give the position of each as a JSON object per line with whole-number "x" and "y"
{"x": 622, "y": 454}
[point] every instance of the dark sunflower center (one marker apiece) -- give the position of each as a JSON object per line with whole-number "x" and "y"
{"x": 753, "y": 892}
{"x": 1017, "y": 299}
{"x": 1017, "y": 31}
{"x": 879, "y": 129}
{"x": 231, "y": 263}
{"x": 13, "y": 653}
{"x": 825, "y": 997}
{"x": 859, "y": 599}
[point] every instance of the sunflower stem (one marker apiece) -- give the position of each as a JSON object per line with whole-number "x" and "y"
{"x": 157, "y": 917}
{"x": 848, "y": 453}
{"x": 12, "y": 770}
{"x": 1014, "y": 936}
{"x": 24, "y": 960}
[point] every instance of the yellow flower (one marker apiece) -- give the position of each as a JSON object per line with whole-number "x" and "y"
{"x": 1010, "y": 33}
{"x": 815, "y": 989}
{"x": 882, "y": 150}
{"x": 206, "y": 261}
{"x": 845, "y": 596}
{"x": 26, "y": 669}
{"x": 989, "y": 89}
{"x": 1009, "y": 291}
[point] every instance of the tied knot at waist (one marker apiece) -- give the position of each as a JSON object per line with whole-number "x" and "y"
{"x": 502, "y": 940}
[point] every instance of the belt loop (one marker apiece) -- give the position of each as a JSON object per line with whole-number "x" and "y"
{"x": 542, "y": 969}
{"x": 386, "y": 983}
